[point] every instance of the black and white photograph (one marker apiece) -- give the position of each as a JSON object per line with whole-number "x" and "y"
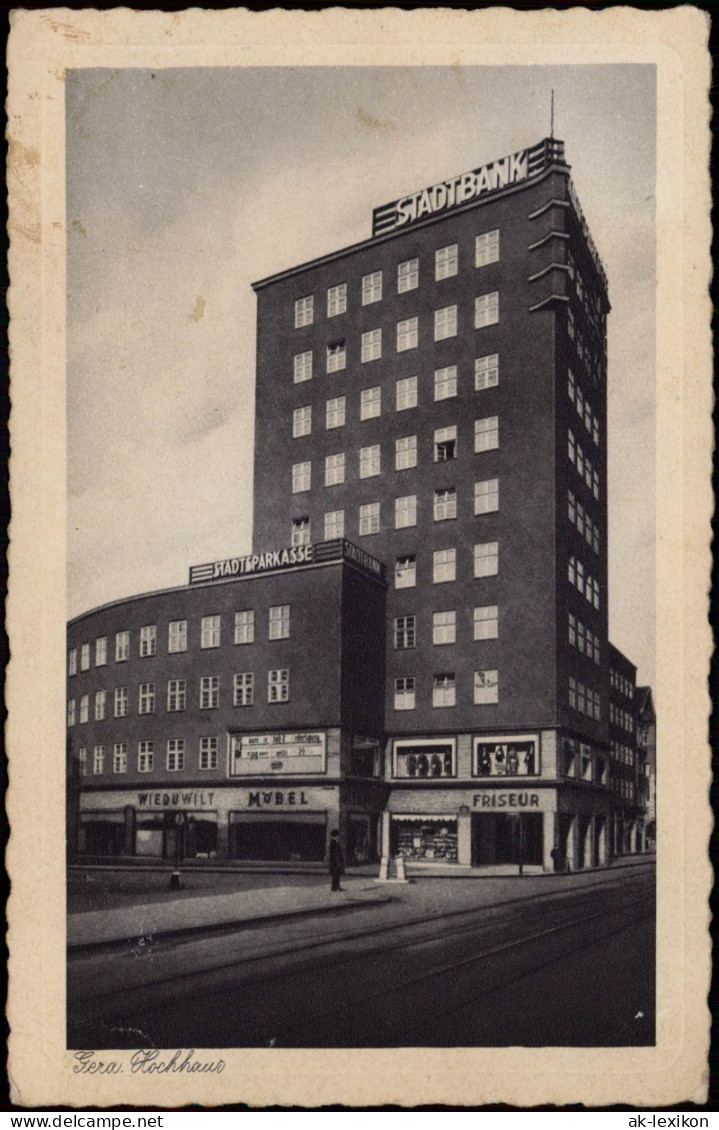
{"x": 362, "y": 696}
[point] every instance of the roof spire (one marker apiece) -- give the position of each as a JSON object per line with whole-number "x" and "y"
{"x": 551, "y": 117}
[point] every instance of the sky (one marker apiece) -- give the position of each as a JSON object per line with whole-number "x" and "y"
{"x": 186, "y": 185}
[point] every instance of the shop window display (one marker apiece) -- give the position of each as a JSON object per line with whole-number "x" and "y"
{"x": 431, "y": 840}
{"x": 506, "y": 759}
{"x": 424, "y": 761}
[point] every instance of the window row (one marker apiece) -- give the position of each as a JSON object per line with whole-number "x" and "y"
{"x": 584, "y": 699}
{"x": 583, "y": 407}
{"x": 583, "y": 582}
{"x": 623, "y": 753}
{"x": 485, "y": 622}
{"x": 406, "y": 336}
{"x": 592, "y": 358}
{"x": 620, "y": 717}
{"x": 485, "y": 688}
{"x": 583, "y": 464}
{"x": 243, "y": 694}
{"x": 446, "y": 265}
{"x": 583, "y": 522}
{"x": 486, "y": 375}
{"x": 278, "y": 628}
{"x": 620, "y": 683}
{"x": 207, "y": 756}
{"x": 444, "y": 508}
{"x": 585, "y": 641}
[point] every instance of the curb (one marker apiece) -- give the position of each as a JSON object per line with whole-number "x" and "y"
{"x": 80, "y": 947}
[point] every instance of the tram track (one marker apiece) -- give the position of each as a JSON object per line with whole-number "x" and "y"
{"x": 545, "y": 902}
{"x": 288, "y": 1036}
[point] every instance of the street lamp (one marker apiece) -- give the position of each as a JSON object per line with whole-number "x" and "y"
{"x": 175, "y": 877}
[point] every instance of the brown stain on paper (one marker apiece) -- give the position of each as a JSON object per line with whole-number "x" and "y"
{"x": 198, "y": 309}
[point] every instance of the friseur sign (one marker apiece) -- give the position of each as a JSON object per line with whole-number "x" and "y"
{"x": 451, "y": 193}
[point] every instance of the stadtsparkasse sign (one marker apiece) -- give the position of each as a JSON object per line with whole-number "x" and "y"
{"x": 451, "y": 193}
{"x": 270, "y": 560}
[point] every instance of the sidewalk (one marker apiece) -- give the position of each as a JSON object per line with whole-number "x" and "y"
{"x": 140, "y": 923}
{"x": 144, "y": 921}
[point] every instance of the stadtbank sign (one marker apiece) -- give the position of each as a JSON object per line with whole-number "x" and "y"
{"x": 451, "y": 193}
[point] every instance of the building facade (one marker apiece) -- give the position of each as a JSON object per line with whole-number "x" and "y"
{"x": 436, "y": 397}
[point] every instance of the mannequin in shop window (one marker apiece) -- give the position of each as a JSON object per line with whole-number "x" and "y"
{"x": 512, "y": 761}
{"x": 436, "y": 765}
{"x": 448, "y": 764}
{"x": 411, "y": 765}
{"x": 422, "y": 765}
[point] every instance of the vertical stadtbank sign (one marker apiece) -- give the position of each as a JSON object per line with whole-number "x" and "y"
{"x": 451, "y": 193}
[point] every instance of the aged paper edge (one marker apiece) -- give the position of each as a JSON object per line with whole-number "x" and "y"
{"x": 43, "y": 44}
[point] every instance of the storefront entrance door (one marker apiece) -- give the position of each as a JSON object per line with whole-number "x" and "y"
{"x": 499, "y": 838}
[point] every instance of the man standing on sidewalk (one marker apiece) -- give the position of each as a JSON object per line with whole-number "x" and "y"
{"x": 336, "y": 860}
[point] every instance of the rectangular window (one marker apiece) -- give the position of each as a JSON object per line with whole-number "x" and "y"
{"x": 122, "y": 647}
{"x": 176, "y": 694}
{"x": 486, "y": 496}
{"x": 405, "y": 511}
{"x": 572, "y": 692}
{"x": 243, "y": 689}
{"x": 405, "y": 635}
{"x": 302, "y": 367}
{"x": 443, "y": 690}
{"x": 72, "y": 661}
{"x": 177, "y": 636}
{"x": 335, "y": 469}
{"x": 245, "y": 626}
{"x": 445, "y": 323}
{"x": 301, "y": 477}
{"x": 404, "y": 694}
{"x": 82, "y": 762}
{"x": 84, "y": 708}
{"x": 371, "y": 345}
{"x": 302, "y": 421}
{"x": 486, "y": 622}
{"x": 304, "y": 311}
{"x": 486, "y": 433}
{"x": 371, "y": 288}
{"x": 370, "y": 403}
{"x": 405, "y": 453}
{"x": 334, "y": 524}
{"x": 570, "y": 323}
{"x": 175, "y": 755}
{"x": 572, "y": 507}
{"x": 119, "y": 757}
{"x": 595, "y": 485}
{"x": 208, "y": 753}
{"x": 100, "y": 705}
{"x": 445, "y": 262}
{"x": 580, "y": 698}
{"x": 210, "y": 633}
{"x": 209, "y": 692}
{"x": 369, "y": 461}
{"x": 445, "y": 444}
{"x": 580, "y": 636}
{"x": 571, "y": 386}
{"x": 407, "y": 334}
{"x": 278, "y": 686}
{"x": 335, "y": 417}
{"x": 279, "y": 623}
{"x": 407, "y": 275}
{"x": 71, "y": 712}
{"x": 486, "y": 310}
{"x": 121, "y": 702}
{"x": 445, "y": 504}
{"x": 145, "y": 757}
{"x": 101, "y": 651}
{"x": 300, "y": 533}
{"x": 486, "y": 687}
{"x": 85, "y": 657}
{"x": 98, "y": 759}
{"x": 336, "y": 300}
{"x": 572, "y": 630}
{"x": 486, "y": 559}
{"x": 444, "y": 566}
{"x": 406, "y": 393}
{"x": 369, "y": 519}
{"x": 405, "y": 572}
{"x": 444, "y": 627}
{"x": 486, "y": 371}
{"x": 445, "y": 382}
{"x": 148, "y": 640}
{"x": 486, "y": 248}
{"x": 336, "y": 356}
{"x": 146, "y": 704}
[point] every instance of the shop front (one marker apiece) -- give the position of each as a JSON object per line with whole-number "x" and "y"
{"x": 287, "y": 837}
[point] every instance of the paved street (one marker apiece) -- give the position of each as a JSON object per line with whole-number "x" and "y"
{"x": 556, "y": 961}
